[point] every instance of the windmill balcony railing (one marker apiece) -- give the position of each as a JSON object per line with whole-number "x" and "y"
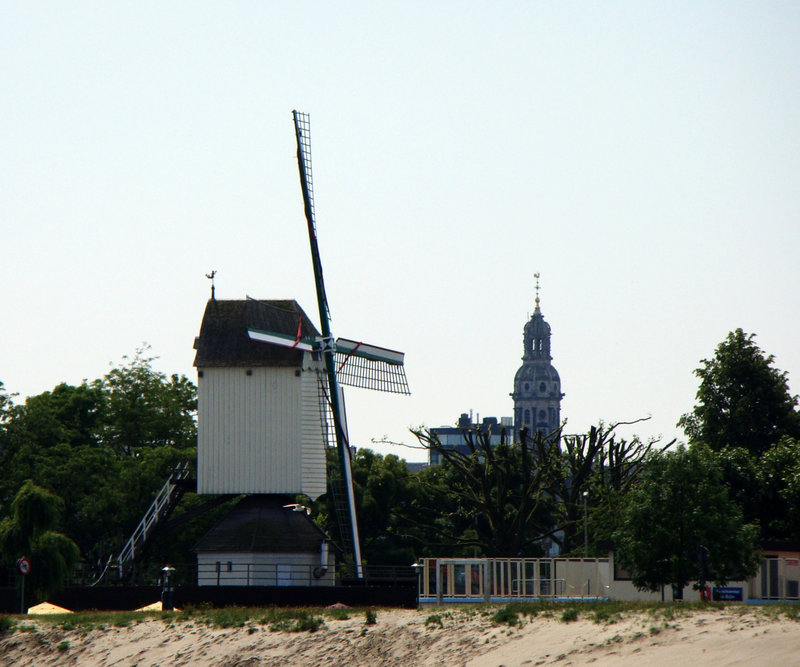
{"x": 229, "y": 573}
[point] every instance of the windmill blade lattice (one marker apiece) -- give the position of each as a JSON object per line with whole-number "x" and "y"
{"x": 358, "y": 371}
{"x": 336, "y": 485}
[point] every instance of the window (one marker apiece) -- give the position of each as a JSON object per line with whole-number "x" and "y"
{"x": 527, "y": 416}
{"x": 542, "y": 387}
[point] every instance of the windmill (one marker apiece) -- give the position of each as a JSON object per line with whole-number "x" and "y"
{"x": 347, "y": 362}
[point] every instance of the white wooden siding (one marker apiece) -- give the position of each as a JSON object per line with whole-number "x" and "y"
{"x": 314, "y": 474}
{"x": 253, "y": 432}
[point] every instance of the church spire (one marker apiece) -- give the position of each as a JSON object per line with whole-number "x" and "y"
{"x": 536, "y": 336}
{"x": 537, "y": 385}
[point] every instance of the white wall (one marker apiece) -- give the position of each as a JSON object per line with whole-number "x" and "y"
{"x": 259, "y": 433}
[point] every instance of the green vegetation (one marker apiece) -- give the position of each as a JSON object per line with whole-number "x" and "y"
{"x": 506, "y": 616}
{"x": 302, "y": 621}
{"x": 30, "y": 530}
{"x": 569, "y": 614}
{"x": 434, "y": 619}
{"x": 743, "y": 401}
{"x": 370, "y": 617}
{"x": 82, "y": 463}
{"x": 681, "y": 505}
{"x": 7, "y": 624}
{"x": 99, "y": 452}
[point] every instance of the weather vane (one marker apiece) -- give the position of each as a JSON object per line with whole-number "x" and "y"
{"x": 210, "y": 276}
{"x": 536, "y": 275}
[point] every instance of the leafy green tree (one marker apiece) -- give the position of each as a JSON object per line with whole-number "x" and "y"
{"x": 105, "y": 447}
{"x": 145, "y": 408}
{"x": 384, "y": 492}
{"x": 742, "y": 401}
{"x": 30, "y": 531}
{"x": 777, "y": 472}
{"x": 681, "y": 504}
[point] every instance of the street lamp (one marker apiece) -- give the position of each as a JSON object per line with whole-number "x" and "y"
{"x": 418, "y": 567}
{"x": 585, "y": 527}
{"x": 167, "y": 589}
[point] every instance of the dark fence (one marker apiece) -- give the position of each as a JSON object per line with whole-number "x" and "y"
{"x": 126, "y": 598}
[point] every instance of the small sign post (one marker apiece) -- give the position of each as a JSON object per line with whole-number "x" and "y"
{"x": 24, "y": 568}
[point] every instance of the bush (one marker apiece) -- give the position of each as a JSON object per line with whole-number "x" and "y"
{"x": 569, "y": 615}
{"x": 6, "y": 624}
{"x": 434, "y": 619}
{"x": 370, "y": 617}
{"x": 506, "y": 616}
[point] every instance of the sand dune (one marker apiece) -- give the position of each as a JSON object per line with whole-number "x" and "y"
{"x": 728, "y": 636}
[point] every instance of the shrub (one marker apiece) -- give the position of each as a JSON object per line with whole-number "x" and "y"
{"x": 6, "y": 624}
{"x": 506, "y": 616}
{"x": 569, "y": 615}
{"x": 434, "y": 619}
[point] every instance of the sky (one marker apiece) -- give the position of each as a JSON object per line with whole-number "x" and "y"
{"x": 642, "y": 157}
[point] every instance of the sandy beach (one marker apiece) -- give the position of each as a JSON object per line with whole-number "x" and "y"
{"x": 735, "y": 635}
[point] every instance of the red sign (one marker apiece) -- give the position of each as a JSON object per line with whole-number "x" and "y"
{"x": 23, "y": 565}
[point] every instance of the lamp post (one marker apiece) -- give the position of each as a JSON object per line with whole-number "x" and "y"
{"x": 167, "y": 589}
{"x": 585, "y": 527}
{"x": 418, "y": 567}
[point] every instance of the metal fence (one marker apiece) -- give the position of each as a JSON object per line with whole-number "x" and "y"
{"x": 492, "y": 578}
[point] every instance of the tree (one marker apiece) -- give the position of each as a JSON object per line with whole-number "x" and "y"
{"x": 106, "y": 447}
{"x": 604, "y": 467}
{"x": 384, "y": 492}
{"x": 490, "y": 499}
{"x": 504, "y": 500}
{"x": 30, "y": 531}
{"x": 743, "y": 401}
{"x": 680, "y": 505}
{"x": 145, "y": 408}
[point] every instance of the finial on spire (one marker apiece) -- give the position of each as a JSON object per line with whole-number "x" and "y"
{"x": 536, "y": 275}
{"x": 210, "y": 276}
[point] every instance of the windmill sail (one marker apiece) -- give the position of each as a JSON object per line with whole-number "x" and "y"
{"x": 370, "y": 367}
{"x": 348, "y": 362}
{"x": 302, "y": 127}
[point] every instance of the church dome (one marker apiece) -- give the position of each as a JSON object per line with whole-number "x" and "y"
{"x": 537, "y": 373}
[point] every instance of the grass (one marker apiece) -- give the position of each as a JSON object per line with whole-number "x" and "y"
{"x": 434, "y": 619}
{"x": 7, "y": 624}
{"x": 569, "y": 614}
{"x": 658, "y": 615}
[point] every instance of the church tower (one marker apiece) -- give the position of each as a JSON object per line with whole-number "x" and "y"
{"x": 537, "y": 386}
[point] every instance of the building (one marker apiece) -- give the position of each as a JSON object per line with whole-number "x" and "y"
{"x": 537, "y": 385}
{"x": 265, "y": 541}
{"x": 453, "y": 437}
{"x": 260, "y": 432}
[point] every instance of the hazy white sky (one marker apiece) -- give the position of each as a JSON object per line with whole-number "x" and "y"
{"x": 643, "y": 157}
